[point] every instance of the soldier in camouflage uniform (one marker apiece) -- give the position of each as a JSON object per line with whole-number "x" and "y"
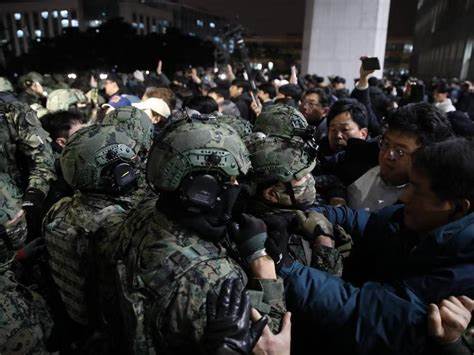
{"x": 140, "y": 128}
{"x": 7, "y": 94}
{"x": 69, "y": 100}
{"x": 33, "y": 93}
{"x": 281, "y": 170}
{"x": 176, "y": 249}
{"x": 26, "y": 165}
{"x": 282, "y": 121}
{"x": 25, "y": 324}
{"x": 136, "y": 122}
{"x": 101, "y": 164}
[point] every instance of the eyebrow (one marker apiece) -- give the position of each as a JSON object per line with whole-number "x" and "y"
{"x": 401, "y": 145}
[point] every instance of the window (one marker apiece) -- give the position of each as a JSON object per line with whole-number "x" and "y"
{"x": 95, "y": 23}
{"x": 200, "y": 23}
{"x": 212, "y": 25}
{"x": 38, "y": 33}
{"x": 64, "y": 13}
{"x": 55, "y": 14}
{"x": 44, "y": 14}
{"x": 17, "y": 16}
{"x": 20, "y": 33}
{"x": 65, "y": 23}
{"x": 407, "y": 48}
{"x": 74, "y": 23}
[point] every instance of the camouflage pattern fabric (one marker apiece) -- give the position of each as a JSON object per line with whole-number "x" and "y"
{"x": 166, "y": 272}
{"x": 279, "y": 159}
{"x": 63, "y": 99}
{"x": 5, "y": 85}
{"x": 193, "y": 146}
{"x": 135, "y": 122}
{"x": 243, "y": 127}
{"x": 92, "y": 149}
{"x": 22, "y": 141}
{"x": 30, "y": 77}
{"x": 25, "y": 324}
{"x": 69, "y": 228}
{"x": 280, "y": 120}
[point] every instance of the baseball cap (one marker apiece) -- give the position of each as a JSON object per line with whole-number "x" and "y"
{"x": 154, "y": 104}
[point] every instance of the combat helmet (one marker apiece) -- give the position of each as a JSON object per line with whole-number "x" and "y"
{"x": 282, "y": 121}
{"x": 280, "y": 159}
{"x": 135, "y": 122}
{"x": 100, "y": 158}
{"x": 5, "y": 84}
{"x": 64, "y": 99}
{"x": 27, "y": 80}
{"x": 190, "y": 146}
{"x": 243, "y": 127}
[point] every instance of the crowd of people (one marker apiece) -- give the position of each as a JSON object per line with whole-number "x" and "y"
{"x": 142, "y": 214}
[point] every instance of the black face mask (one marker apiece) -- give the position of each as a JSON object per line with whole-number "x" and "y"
{"x": 204, "y": 207}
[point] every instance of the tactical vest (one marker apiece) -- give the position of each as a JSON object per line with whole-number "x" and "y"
{"x": 141, "y": 312}
{"x": 72, "y": 248}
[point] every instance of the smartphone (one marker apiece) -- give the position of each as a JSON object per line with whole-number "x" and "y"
{"x": 371, "y": 63}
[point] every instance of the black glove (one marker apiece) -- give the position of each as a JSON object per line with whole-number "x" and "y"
{"x": 32, "y": 200}
{"x": 228, "y": 329}
{"x": 249, "y": 236}
{"x": 32, "y": 250}
{"x": 279, "y": 231}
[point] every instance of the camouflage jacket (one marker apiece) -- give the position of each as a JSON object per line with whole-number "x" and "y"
{"x": 26, "y": 157}
{"x": 80, "y": 238}
{"x": 25, "y": 324}
{"x": 165, "y": 272}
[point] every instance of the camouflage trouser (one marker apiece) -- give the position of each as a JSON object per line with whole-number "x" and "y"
{"x": 25, "y": 323}
{"x": 10, "y": 198}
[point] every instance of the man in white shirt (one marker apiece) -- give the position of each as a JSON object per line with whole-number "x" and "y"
{"x": 408, "y": 129}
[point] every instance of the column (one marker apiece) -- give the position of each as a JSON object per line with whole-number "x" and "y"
{"x": 337, "y": 32}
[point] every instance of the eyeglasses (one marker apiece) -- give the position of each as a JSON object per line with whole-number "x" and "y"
{"x": 397, "y": 153}
{"x": 310, "y": 104}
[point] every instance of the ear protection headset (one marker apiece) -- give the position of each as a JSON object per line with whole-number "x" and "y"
{"x": 120, "y": 177}
{"x": 200, "y": 193}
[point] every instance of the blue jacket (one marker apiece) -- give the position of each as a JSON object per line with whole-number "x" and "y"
{"x": 386, "y": 314}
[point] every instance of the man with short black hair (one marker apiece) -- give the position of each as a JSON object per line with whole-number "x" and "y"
{"x": 239, "y": 94}
{"x": 289, "y": 94}
{"x": 441, "y": 98}
{"x": 266, "y": 93}
{"x": 315, "y": 106}
{"x": 221, "y": 97}
{"x": 112, "y": 86}
{"x": 61, "y": 126}
{"x": 407, "y": 129}
{"x": 404, "y": 258}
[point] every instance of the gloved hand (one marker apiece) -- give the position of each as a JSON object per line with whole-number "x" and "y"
{"x": 314, "y": 224}
{"x": 31, "y": 250}
{"x": 228, "y": 329}
{"x": 249, "y": 236}
{"x": 32, "y": 200}
{"x": 279, "y": 231}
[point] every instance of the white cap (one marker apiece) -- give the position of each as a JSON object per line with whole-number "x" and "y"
{"x": 154, "y": 104}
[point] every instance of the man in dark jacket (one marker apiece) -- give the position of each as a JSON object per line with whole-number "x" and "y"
{"x": 239, "y": 94}
{"x": 404, "y": 258}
